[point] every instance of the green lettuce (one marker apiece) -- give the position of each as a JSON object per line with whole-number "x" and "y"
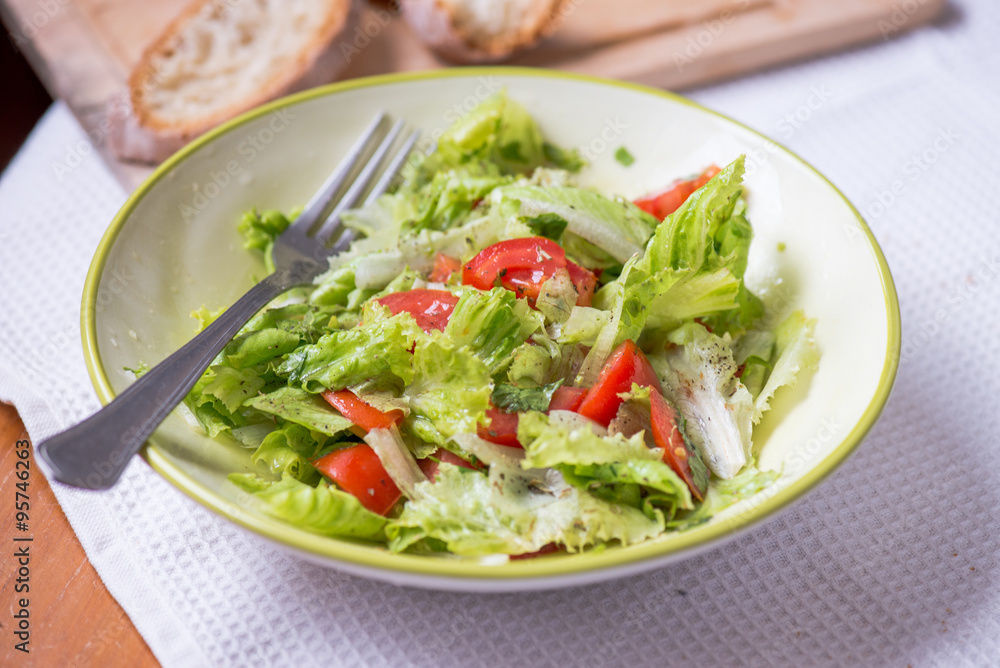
{"x": 301, "y": 407}
{"x": 497, "y": 132}
{"x": 324, "y": 509}
{"x": 513, "y": 399}
{"x": 795, "y": 351}
{"x": 289, "y": 450}
{"x": 449, "y": 392}
{"x": 617, "y": 226}
{"x": 376, "y": 352}
{"x": 512, "y": 511}
{"x": 724, "y": 493}
{"x": 491, "y": 324}
{"x": 547, "y": 444}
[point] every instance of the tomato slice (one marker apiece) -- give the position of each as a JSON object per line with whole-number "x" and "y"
{"x": 360, "y": 413}
{"x": 551, "y": 548}
{"x": 431, "y": 465}
{"x": 585, "y": 282}
{"x": 525, "y": 283}
{"x": 567, "y": 398}
{"x": 358, "y": 471}
{"x": 493, "y": 263}
{"x": 430, "y": 308}
{"x": 664, "y": 203}
{"x": 625, "y": 366}
{"x": 444, "y": 267}
{"x": 500, "y": 428}
{"x": 667, "y": 434}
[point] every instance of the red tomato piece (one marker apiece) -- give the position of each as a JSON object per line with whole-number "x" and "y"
{"x": 430, "y": 308}
{"x": 551, "y": 548}
{"x": 358, "y": 471}
{"x": 444, "y": 267}
{"x": 525, "y": 283}
{"x": 664, "y": 203}
{"x": 360, "y": 413}
{"x": 585, "y": 282}
{"x": 431, "y": 465}
{"x": 625, "y": 366}
{"x": 536, "y": 254}
{"x": 567, "y": 398}
{"x": 500, "y": 428}
{"x": 667, "y": 434}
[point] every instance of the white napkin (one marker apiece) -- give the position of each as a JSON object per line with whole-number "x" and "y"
{"x": 891, "y": 561}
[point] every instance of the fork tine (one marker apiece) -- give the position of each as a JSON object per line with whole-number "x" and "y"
{"x": 397, "y": 162}
{"x": 335, "y": 182}
{"x": 360, "y": 184}
{"x": 393, "y": 168}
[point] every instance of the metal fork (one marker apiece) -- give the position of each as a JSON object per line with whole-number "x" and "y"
{"x": 94, "y": 453}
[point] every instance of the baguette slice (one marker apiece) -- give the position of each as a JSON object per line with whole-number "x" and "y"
{"x": 218, "y": 59}
{"x": 482, "y": 30}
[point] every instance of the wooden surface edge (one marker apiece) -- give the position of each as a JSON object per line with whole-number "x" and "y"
{"x": 72, "y": 619}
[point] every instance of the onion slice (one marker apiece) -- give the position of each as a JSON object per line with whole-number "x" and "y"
{"x": 397, "y": 459}
{"x": 489, "y": 453}
{"x": 572, "y": 420}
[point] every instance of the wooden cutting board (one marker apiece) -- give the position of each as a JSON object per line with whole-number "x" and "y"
{"x": 83, "y": 49}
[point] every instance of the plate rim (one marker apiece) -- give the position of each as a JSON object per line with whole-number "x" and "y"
{"x": 472, "y": 575}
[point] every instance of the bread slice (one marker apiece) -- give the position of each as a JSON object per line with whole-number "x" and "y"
{"x": 218, "y": 59}
{"x": 482, "y": 30}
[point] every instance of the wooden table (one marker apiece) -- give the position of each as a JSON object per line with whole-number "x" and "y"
{"x": 74, "y": 621}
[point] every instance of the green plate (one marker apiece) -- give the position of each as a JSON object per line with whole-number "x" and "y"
{"x": 174, "y": 247}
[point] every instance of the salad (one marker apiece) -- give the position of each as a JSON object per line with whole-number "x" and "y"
{"x": 507, "y": 364}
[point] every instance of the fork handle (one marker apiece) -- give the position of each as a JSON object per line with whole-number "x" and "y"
{"x": 94, "y": 453}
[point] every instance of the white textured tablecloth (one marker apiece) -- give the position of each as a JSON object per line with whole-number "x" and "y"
{"x": 892, "y": 561}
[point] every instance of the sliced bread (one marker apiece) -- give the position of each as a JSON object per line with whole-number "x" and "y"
{"x": 220, "y": 58}
{"x": 482, "y": 30}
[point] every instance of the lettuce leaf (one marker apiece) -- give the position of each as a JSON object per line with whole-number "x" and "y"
{"x": 513, "y": 399}
{"x": 601, "y": 464}
{"x": 301, "y": 407}
{"x": 547, "y": 444}
{"x": 449, "y": 392}
{"x": 289, "y": 450}
{"x": 491, "y": 324}
{"x": 512, "y": 511}
{"x": 376, "y": 352}
{"x": 324, "y": 509}
{"x": 699, "y": 376}
{"x": 724, "y": 493}
{"x": 618, "y": 227}
{"x": 795, "y": 351}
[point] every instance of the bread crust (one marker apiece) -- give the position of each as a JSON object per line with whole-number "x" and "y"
{"x": 435, "y": 23}
{"x": 140, "y": 134}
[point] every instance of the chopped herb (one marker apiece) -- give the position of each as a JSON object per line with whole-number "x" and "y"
{"x": 513, "y": 399}
{"x": 623, "y": 156}
{"x": 569, "y": 160}
{"x": 548, "y": 225}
